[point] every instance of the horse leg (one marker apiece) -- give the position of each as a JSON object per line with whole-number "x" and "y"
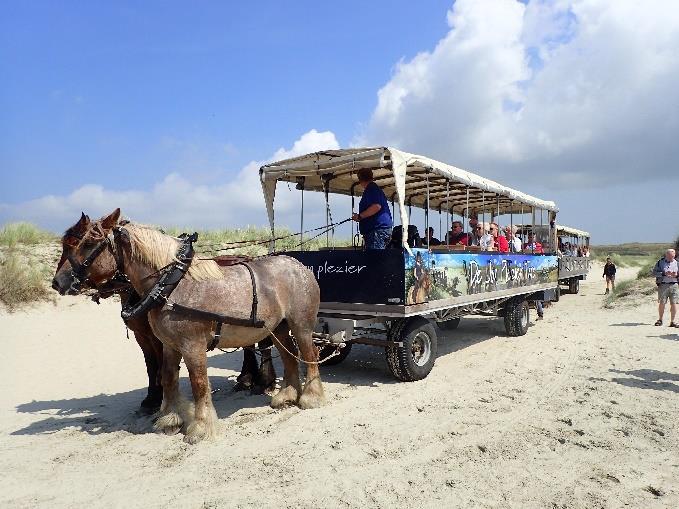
{"x": 291, "y": 387}
{"x": 204, "y": 423}
{"x": 170, "y": 420}
{"x": 265, "y": 380}
{"x": 312, "y": 394}
{"x": 248, "y": 372}
{"x": 152, "y": 349}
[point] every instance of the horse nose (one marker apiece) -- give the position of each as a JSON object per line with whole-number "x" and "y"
{"x": 55, "y": 286}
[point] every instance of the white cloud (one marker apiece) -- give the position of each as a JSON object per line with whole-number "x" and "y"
{"x": 583, "y": 92}
{"x": 176, "y": 200}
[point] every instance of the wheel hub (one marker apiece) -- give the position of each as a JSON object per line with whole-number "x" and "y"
{"x": 421, "y": 349}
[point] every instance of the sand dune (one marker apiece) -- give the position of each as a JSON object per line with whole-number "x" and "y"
{"x": 580, "y": 412}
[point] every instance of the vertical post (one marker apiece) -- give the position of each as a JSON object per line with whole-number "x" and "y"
{"x": 426, "y": 213}
{"x": 301, "y": 182}
{"x": 467, "y": 210}
{"x": 448, "y": 211}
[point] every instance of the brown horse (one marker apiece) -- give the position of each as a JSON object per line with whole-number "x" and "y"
{"x": 258, "y": 379}
{"x": 288, "y": 298}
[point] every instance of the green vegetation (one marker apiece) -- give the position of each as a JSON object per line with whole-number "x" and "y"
{"x": 23, "y": 233}
{"x": 22, "y": 282}
{"x": 225, "y": 242}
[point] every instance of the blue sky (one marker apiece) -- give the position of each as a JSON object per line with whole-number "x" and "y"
{"x": 168, "y": 111}
{"x": 106, "y": 92}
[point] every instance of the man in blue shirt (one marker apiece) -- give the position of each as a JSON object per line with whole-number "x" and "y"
{"x": 374, "y": 217}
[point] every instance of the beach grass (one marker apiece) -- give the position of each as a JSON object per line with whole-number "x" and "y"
{"x": 12, "y": 234}
{"x": 22, "y": 282}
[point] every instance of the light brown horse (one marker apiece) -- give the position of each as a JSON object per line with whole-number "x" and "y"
{"x": 288, "y": 297}
{"x": 258, "y": 379}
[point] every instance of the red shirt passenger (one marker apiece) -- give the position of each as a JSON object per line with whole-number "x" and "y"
{"x": 456, "y": 235}
{"x": 501, "y": 243}
{"x": 532, "y": 246}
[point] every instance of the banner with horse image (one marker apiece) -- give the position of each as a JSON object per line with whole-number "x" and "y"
{"x": 434, "y": 276}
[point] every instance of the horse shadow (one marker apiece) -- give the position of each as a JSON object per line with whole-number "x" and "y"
{"x": 108, "y": 413}
{"x": 646, "y": 379}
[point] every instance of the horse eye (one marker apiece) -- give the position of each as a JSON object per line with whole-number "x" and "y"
{"x": 71, "y": 241}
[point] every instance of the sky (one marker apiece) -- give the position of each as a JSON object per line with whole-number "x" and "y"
{"x": 168, "y": 110}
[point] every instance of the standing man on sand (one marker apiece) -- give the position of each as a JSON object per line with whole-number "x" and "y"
{"x": 374, "y": 217}
{"x": 609, "y": 274}
{"x": 666, "y": 272}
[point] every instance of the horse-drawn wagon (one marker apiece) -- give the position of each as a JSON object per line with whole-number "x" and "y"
{"x": 394, "y": 298}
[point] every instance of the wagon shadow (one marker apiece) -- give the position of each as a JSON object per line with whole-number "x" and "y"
{"x": 367, "y": 366}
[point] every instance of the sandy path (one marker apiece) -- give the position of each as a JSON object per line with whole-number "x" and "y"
{"x": 580, "y": 412}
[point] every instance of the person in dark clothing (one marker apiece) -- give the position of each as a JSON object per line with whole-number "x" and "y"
{"x": 433, "y": 241}
{"x": 374, "y": 217}
{"x": 456, "y": 235}
{"x": 609, "y": 274}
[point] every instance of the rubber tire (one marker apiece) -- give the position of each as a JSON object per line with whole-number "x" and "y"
{"x": 449, "y": 324}
{"x": 557, "y": 294}
{"x": 344, "y": 353}
{"x": 574, "y": 286}
{"x": 517, "y": 317}
{"x": 400, "y": 359}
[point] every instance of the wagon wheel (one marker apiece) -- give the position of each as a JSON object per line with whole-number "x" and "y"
{"x": 415, "y": 359}
{"x": 574, "y": 285}
{"x": 516, "y": 317}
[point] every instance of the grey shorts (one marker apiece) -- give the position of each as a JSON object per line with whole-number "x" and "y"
{"x": 670, "y": 292}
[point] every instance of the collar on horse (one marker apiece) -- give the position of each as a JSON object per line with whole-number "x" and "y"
{"x": 170, "y": 277}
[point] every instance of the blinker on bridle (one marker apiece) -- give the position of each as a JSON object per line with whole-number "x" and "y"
{"x": 79, "y": 270}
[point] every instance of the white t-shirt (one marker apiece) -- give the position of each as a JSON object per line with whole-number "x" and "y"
{"x": 486, "y": 242}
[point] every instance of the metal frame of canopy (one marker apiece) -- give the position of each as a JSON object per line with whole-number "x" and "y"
{"x": 406, "y": 179}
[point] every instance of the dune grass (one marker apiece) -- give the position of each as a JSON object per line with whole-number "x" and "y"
{"x": 224, "y": 241}
{"x": 24, "y": 233}
{"x": 22, "y": 282}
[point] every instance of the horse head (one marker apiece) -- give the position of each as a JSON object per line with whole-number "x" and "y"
{"x": 87, "y": 257}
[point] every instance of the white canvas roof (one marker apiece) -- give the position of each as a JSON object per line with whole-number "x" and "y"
{"x": 403, "y": 177}
{"x": 567, "y": 230}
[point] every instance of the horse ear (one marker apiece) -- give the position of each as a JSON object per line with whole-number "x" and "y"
{"x": 111, "y": 220}
{"x": 83, "y": 222}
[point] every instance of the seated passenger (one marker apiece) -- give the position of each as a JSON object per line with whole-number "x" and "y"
{"x": 456, "y": 235}
{"x": 513, "y": 241}
{"x": 487, "y": 241}
{"x": 499, "y": 242}
{"x": 397, "y": 236}
{"x": 433, "y": 241}
{"x": 475, "y": 235}
{"x": 532, "y": 245}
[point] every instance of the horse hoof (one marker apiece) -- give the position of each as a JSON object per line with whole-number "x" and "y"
{"x": 240, "y": 386}
{"x": 170, "y": 424}
{"x": 312, "y": 395}
{"x": 286, "y": 396}
{"x": 171, "y": 431}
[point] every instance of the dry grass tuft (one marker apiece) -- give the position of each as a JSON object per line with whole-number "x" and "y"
{"x": 21, "y": 282}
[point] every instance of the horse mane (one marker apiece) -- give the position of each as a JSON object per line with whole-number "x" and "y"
{"x": 158, "y": 250}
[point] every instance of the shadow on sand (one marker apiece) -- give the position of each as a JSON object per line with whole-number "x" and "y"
{"x": 646, "y": 379}
{"x": 107, "y": 413}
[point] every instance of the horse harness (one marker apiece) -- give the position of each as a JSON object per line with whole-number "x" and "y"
{"x": 170, "y": 277}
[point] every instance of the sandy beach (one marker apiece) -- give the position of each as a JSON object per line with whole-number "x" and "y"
{"x": 580, "y": 412}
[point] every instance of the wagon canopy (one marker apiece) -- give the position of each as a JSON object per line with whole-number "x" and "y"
{"x": 406, "y": 179}
{"x": 562, "y": 230}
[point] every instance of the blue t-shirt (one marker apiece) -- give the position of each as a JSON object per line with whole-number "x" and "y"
{"x": 373, "y": 194}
